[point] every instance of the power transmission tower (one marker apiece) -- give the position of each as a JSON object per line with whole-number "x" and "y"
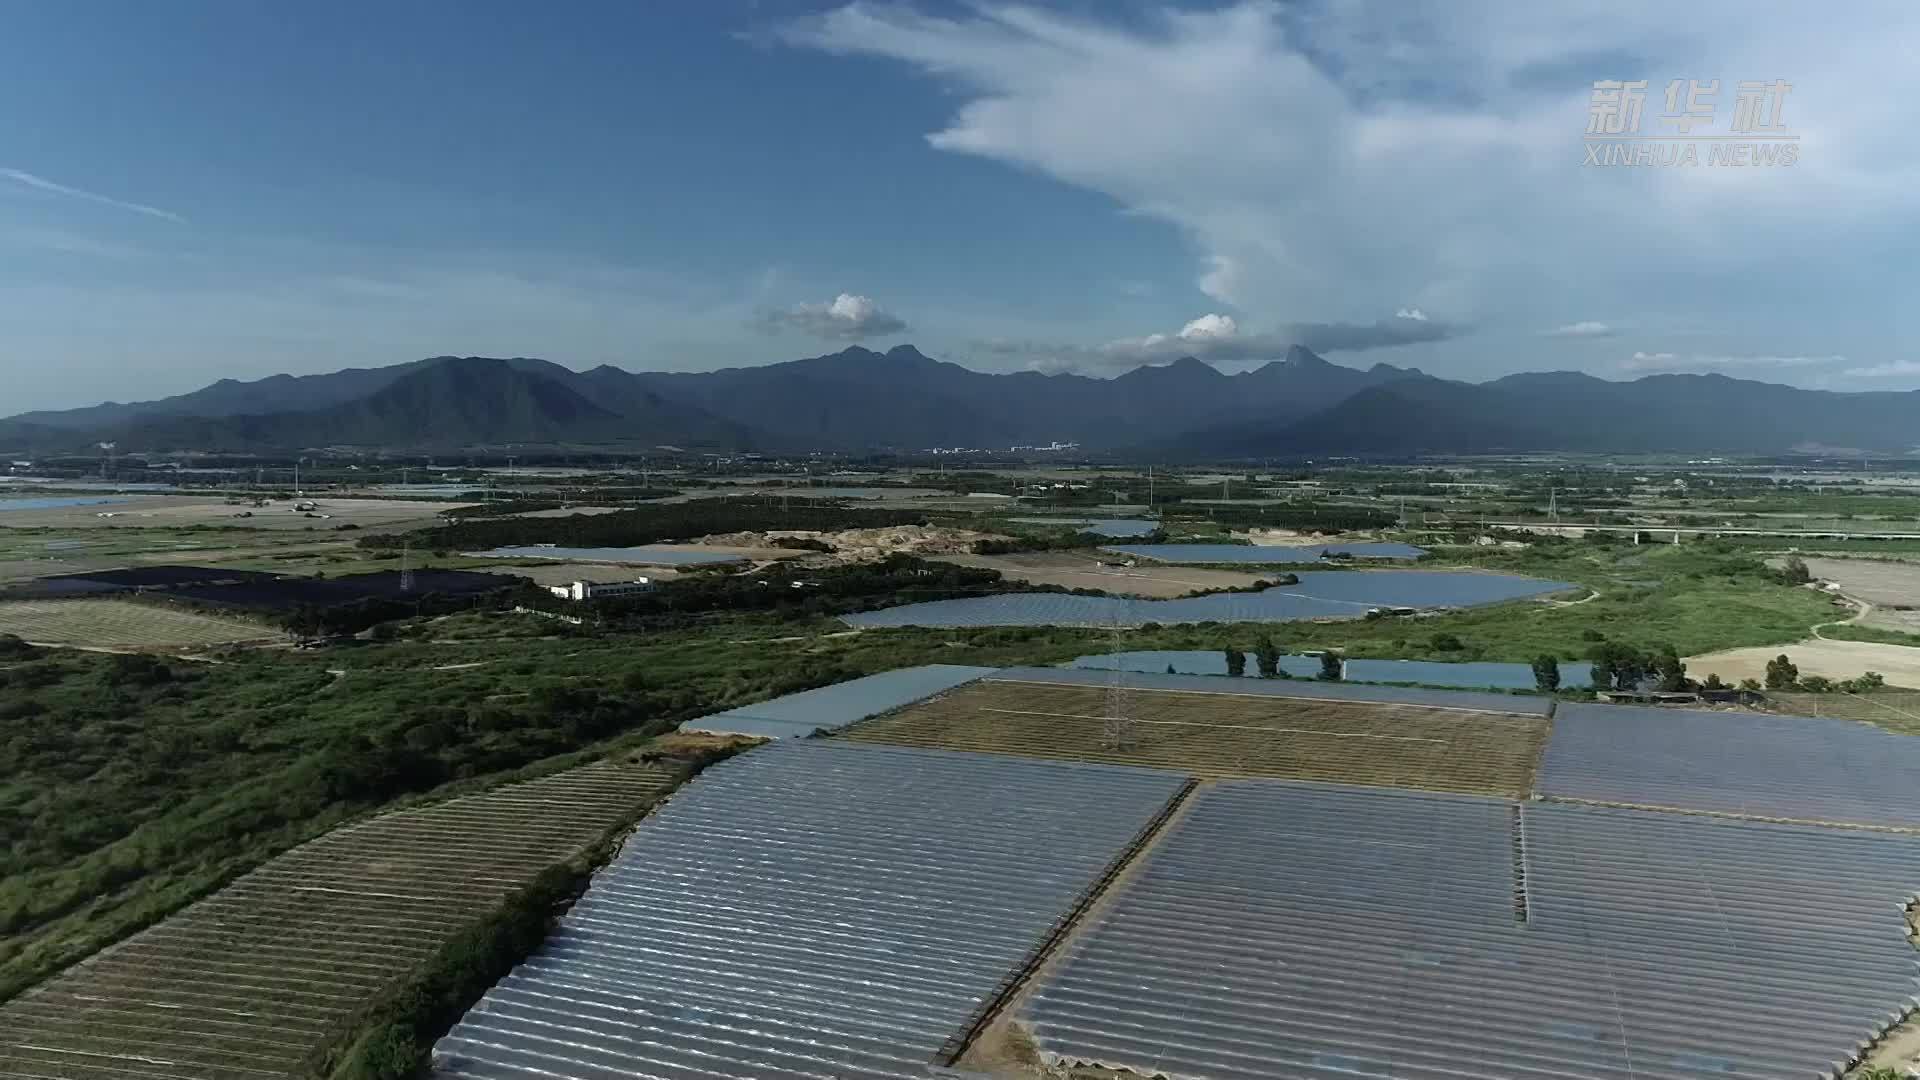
{"x": 1116, "y": 727}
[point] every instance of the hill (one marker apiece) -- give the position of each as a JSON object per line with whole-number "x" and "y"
{"x": 859, "y": 400}
{"x": 448, "y": 401}
{"x": 1576, "y": 412}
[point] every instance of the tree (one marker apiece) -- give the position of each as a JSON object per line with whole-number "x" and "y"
{"x": 1546, "y": 672}
{"x": 1447, "y": 643}
{"x": 1713, "y": 682}
{"x": 1236, "y": 662}
{"x": 1670, "y": 670}
{"x": 1332, "y": 666}
{"x": 1795, "y": 571}
{"x": 1266, "y": 656}
{"x": 1818, "y": 684}
{"x": 1781, "y": 673}
{"x": 1751, "y": 686}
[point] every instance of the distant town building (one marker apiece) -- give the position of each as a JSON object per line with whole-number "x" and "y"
{"x": 592, "y": 590}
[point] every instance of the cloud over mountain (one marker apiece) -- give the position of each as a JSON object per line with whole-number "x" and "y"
{"x": 847, "y": 317}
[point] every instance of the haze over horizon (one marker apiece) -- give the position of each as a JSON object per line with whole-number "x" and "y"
{"x": 227, "y": 191}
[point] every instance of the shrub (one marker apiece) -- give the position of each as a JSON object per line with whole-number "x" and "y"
{"x": 1781, "y": 673}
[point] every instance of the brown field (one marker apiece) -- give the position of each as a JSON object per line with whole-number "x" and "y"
{"x": 120, "y": 624}
{"x": 1214, "y": 735}
{"x": 1893, "y": 588}
{"x": 1896, "y": 710}
{"x": 1899, "y": 664}
{"x": 1074, "y": 570}
{"x": 151, "y": 511}
{"x": 261, "y": 978}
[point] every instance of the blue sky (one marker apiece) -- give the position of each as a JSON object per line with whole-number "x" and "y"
{"x": 212, "y": 189}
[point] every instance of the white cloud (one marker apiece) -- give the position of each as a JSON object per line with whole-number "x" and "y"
{"x": 1329, "y": 160}
{"x": 43, "y": 184}
{"x": 1411, "y": 313}
{"x": 1890, "y": 370}
{"x": 1666, "y": 361}
{"x": 1218, "y": 339}
{"x": 1210, "y": 328}
{"x": 1587, "y": 328}
{"x": 847, "y": 317}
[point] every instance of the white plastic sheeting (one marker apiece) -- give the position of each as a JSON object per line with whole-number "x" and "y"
{"x": 834, "y": 707}
{"x": 812, "y": 908}
{"x": 1788, "y": 767}
{"x": 1317, "y": 932}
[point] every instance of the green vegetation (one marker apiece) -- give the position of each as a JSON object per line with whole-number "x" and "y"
{"x": 1266, "y": 656}
{"x": 644, "y": 525}
{"x": 1546, "y": 673}
{"x": 1856, "y": 632}
{"x": 1330, "y": 665}
{"x": 1236, "y": 662}
{"x": 395, "y": 1036}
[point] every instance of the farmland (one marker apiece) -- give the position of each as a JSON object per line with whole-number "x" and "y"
{"x": 121, "y": 624}
{"x": 265, "y": 976}
{"x": 1214, "y": 735}
{"x": 1893, "y": 588}
{"x": 1081, "y": 570}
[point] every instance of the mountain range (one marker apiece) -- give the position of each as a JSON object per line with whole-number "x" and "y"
{"x": 860, "y": 400}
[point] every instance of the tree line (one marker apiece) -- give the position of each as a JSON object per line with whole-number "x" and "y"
{"x": 644, "y": 525}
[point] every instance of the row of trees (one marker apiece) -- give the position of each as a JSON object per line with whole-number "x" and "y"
{"x": 644, "y": 525}
{"x": 1266, "y": 658}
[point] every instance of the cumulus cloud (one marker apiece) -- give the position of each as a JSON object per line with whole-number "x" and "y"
{"x": 1891, "y": 370}
{"x": 1667, "y": 361}
{"x": 847, "y": 317}
{"x": 41, "y": 183}
{"x": 1330, "y": 160}
{"x": 1582, "y": 329}
{"x": 1218, "y": 339}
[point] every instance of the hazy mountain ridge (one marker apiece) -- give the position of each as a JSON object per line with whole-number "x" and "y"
{"x": 858, "y": 399}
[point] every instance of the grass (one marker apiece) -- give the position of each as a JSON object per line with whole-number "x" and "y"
{"x": 271, "y": 971}
{"x": 1856, "y": 632}
{"x": 121, "y": 624}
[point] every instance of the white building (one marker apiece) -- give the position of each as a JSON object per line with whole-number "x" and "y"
{"x": 592, "y": 590}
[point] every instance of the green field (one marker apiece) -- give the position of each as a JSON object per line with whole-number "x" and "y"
{"x": 122, "y": 624}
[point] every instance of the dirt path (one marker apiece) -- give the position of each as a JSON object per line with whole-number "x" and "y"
{"x": 1862, "y": 610}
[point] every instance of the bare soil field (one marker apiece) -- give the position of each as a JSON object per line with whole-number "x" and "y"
{"x": 259, "y": 979}
{"x": 858, "y": 545}
{"x": 149, "y": 511}
{"x": 120, "y": 624}
{"x": 1832, "y": 659}
{"x": 552, "y": 573}
{"x": 1074, "y": 570}
{"x": 1213, "y": 735}
{"x": 1888, "y": 585}
{"x": 1896, "y": 710}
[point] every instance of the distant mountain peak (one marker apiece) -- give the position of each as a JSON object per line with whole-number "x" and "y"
{"x": 1302, "y": 356}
